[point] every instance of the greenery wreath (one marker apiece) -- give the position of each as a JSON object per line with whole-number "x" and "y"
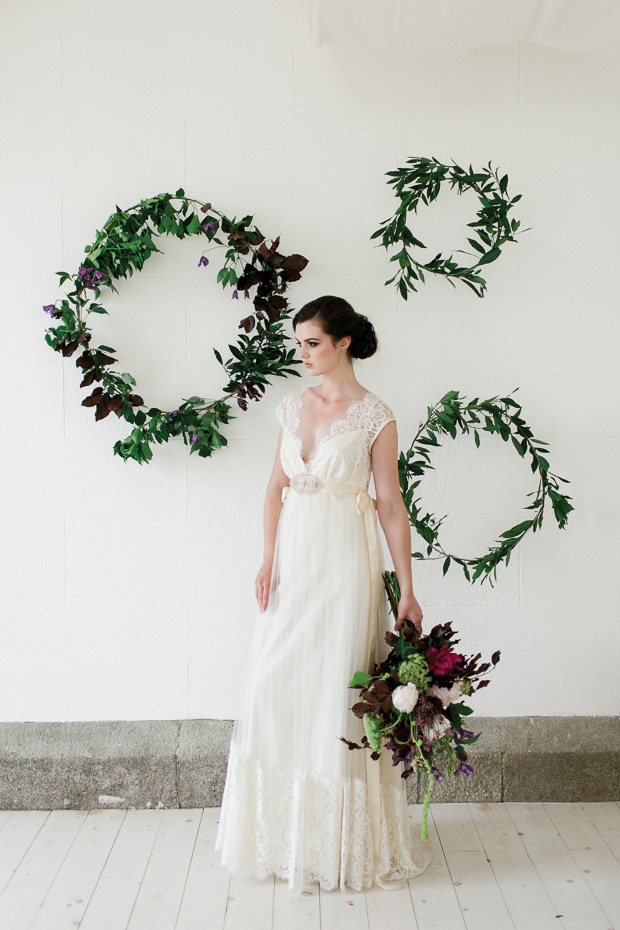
{"x": 422, "y": 182}
{"x": 123, "y": 245}
{"x": 444, "y": 417}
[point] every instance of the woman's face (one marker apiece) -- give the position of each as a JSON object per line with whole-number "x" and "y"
{"x": 317, "y": 350}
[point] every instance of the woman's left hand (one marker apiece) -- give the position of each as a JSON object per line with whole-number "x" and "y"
{"x": 408, "y": 608}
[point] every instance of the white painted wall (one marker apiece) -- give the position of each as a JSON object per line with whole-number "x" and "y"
{"x": 127, "y": 592}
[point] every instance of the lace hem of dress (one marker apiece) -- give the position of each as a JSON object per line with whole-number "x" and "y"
{"x": 311, "y": 829}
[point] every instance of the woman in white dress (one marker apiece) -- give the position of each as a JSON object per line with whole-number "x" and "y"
{"x": 298, "y": 803}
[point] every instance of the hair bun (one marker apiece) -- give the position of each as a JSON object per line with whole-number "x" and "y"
{"x": 364, "y": 343}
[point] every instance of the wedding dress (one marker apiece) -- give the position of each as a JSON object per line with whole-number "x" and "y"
{"x": 297, "y": 802}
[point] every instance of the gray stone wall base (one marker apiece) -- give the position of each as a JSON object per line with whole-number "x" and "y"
{"x": 86, "y": 765}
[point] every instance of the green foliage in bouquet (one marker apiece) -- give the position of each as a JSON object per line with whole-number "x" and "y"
{"x": 122, "y": 246}
{"x": 492, "y": 416}
{"x": 412, "y": 704}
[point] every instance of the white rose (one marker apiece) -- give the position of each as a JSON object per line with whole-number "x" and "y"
{"x": 405, "y": 697}
{"x": 446, "y": 695}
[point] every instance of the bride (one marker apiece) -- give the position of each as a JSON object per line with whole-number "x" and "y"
{"x": 298, "y": 803}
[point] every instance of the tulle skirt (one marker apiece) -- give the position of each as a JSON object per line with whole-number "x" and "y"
{"x": 298, "y": 803}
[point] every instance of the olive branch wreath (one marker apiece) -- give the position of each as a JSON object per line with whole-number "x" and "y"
{"x": 124, "y": 245}
{"x": 448, "y": 414}
{"x": 422, "y": 182}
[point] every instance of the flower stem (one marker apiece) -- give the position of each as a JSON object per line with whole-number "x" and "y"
{"x": 429, "y": 792}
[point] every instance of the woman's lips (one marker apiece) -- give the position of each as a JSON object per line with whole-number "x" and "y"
{"x": 308, "y": 365}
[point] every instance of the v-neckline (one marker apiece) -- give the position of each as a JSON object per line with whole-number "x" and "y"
{"x": 294, "y": 429}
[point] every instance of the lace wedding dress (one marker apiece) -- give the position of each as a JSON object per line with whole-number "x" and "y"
{"x": 297, "y": 802}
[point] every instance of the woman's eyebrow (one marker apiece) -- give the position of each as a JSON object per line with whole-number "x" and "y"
{"x": 310, "y": 338}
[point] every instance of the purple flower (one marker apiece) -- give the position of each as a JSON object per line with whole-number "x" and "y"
{"x": 246, "y": 294}
{"x": 196, "y": 440}
{"x": 235, "y": 294}
{"x": 203, "y": 260}
{"x": 50, "y": 308}
{"x": 436, "y": 773}
{"x": 173, "y": 414}
{"x": 89, "y": 276}
{"x": 208, "y": 226}
{"x": 464, "y": 769}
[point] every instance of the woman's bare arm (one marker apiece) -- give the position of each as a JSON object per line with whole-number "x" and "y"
{"x": 394, "y": 520}
{"x": 271, "y": 517}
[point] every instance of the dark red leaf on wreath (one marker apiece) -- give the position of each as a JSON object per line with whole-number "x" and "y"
{"x": 93, "y": 398}
{"x": 135, "y": 399}
{"x": 102, "y": 411}
{"x": 248, "y": 323}
{"x": 85, "y": 360}
{"x": 292, "y": 266}
{"x": 276, "y": 260}
{"x": 272, "y": 312}
{"x": 88, "y": 378}
{"x": 103, "y": 359}
{"x": 266, "y": 251}
{"x": 70, "y": 347}
{"x": 206, "y": 207}
{"x": 249, "y": 277}
{"x": 115, "y": 402}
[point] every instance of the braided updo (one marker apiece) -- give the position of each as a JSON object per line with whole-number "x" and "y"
{"x": 337, "y": 319}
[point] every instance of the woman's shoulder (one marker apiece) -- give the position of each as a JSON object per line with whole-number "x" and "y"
{"x": 378, "y": 407}
{"x": 379, "y": 413}
{"x": 287, "y": 404}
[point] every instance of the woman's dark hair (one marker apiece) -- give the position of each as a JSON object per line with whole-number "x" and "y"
{"x": 337, "y": 318}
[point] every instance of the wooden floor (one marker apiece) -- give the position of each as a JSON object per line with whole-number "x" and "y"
{"x": 530, "y": 866}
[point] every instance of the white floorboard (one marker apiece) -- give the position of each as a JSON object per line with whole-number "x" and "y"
{"x": 496, "y": 866}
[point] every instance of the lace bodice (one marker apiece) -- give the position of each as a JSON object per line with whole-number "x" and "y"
{"x": 343, "y": 453}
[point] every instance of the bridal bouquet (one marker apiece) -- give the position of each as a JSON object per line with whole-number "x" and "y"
{"x": 413, "y": 703}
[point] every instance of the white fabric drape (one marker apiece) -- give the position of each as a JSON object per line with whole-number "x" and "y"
{"x": 457, "y": 25}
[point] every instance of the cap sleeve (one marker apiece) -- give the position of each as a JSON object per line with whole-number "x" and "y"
{"x": 380, "y": 414}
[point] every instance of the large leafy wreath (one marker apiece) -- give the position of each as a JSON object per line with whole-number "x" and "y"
{"x": 123, "y": 246}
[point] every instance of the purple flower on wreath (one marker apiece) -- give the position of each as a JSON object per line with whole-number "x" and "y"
{"x": 436, "y": 773}
{"x": 196, "y": 440}
{"x": 203, "y": 260}
{"x": 246, "y": 294}
{"x": 464, "y": 769}
{"x": 210, "y": 226}
{"x": 235, "y": 294}
{"x": 90, "y": 277}
{"x": 173, "y": 414}
{"x": 50, "y": 308}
